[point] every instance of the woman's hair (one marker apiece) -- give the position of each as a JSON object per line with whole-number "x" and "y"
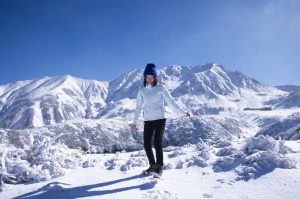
{"x": 154, "y": 81}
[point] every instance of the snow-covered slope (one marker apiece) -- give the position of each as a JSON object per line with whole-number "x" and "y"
{"x": 50, "y": 100}
{"x": 285, "y": 128}
{"x": 291, "y": 100}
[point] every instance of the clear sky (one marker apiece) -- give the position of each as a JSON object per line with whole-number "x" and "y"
{"x": 102, "y": 39}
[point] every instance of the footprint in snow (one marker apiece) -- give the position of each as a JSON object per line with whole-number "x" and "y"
{"x": 221, "y": 180}
{"x": 157, "y": 194}
{"x": 207, "y": 195}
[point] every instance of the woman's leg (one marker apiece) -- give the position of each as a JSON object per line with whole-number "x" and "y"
{"x": 159, "y": 130}
{"x": 149, "y": 128}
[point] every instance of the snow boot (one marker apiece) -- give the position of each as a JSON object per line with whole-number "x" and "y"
{"x": 158, "y": 171}
{"x": 152, "y": 168}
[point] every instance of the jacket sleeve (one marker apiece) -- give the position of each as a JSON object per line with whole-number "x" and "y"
{"x": 170, "y": 100}
{"x": 138, "y": 107}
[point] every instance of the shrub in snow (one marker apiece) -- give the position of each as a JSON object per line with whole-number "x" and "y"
{"x": 41, "y": 160}
{"x": 168, "y": 166}
{"x": 88, "y": 163}
{"x": 196, "y": 160}
{"x": 203, "y": 150}
{"x": 265, "y": 159}
{"x": 134, "y": 162}
{"x": 193, "y": 160}
{"x": 226, "y": 163}
{"x": 263, "y": 162}
{"x": 140, "y": 153}
{"x": 190, "y": 155}
{"x": 229, "y": 158}
{"x": 119, "y": 163}
{"x": 262, "y": 155}
{"x": 111, "y": 163}
{"x": 265, "y": 143}
{"x": 176, "y": 153}
{"x": 226, "y": 151}
{"x": 114, "y": 162}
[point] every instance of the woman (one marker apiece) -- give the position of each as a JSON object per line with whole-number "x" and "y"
{"x": 151, "y": 99}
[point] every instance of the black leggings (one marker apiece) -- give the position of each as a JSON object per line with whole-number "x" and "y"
{"x": 157, "y": 128}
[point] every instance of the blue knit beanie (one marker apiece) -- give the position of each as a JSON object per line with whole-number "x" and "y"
{"x": 150, "y": 70}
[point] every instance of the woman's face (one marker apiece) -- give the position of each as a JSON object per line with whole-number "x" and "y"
{"x": 149, "y": 79}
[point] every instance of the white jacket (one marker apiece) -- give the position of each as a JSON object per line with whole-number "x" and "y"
{"x": 151, "y": 100}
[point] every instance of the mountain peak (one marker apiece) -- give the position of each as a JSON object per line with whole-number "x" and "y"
{"x": 209, "y": 67}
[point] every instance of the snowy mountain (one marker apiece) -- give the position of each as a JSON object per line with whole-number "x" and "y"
{"x": 210, "y": 80}
{"x": 201, "y": 89}
{"x": 49, "y": 100}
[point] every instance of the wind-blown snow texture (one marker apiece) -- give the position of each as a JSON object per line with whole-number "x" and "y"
{"x": 48, "y": 125}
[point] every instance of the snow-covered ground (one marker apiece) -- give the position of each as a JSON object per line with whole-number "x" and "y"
{"x": 115, "y": 176}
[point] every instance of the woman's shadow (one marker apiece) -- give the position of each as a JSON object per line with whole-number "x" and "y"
{"x": 56, "y": 191}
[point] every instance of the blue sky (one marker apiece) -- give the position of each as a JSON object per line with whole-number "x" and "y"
{"x": 105, "y": 38}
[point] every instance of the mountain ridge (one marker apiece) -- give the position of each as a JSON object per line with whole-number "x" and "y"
{"x": 203, "y": 89}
